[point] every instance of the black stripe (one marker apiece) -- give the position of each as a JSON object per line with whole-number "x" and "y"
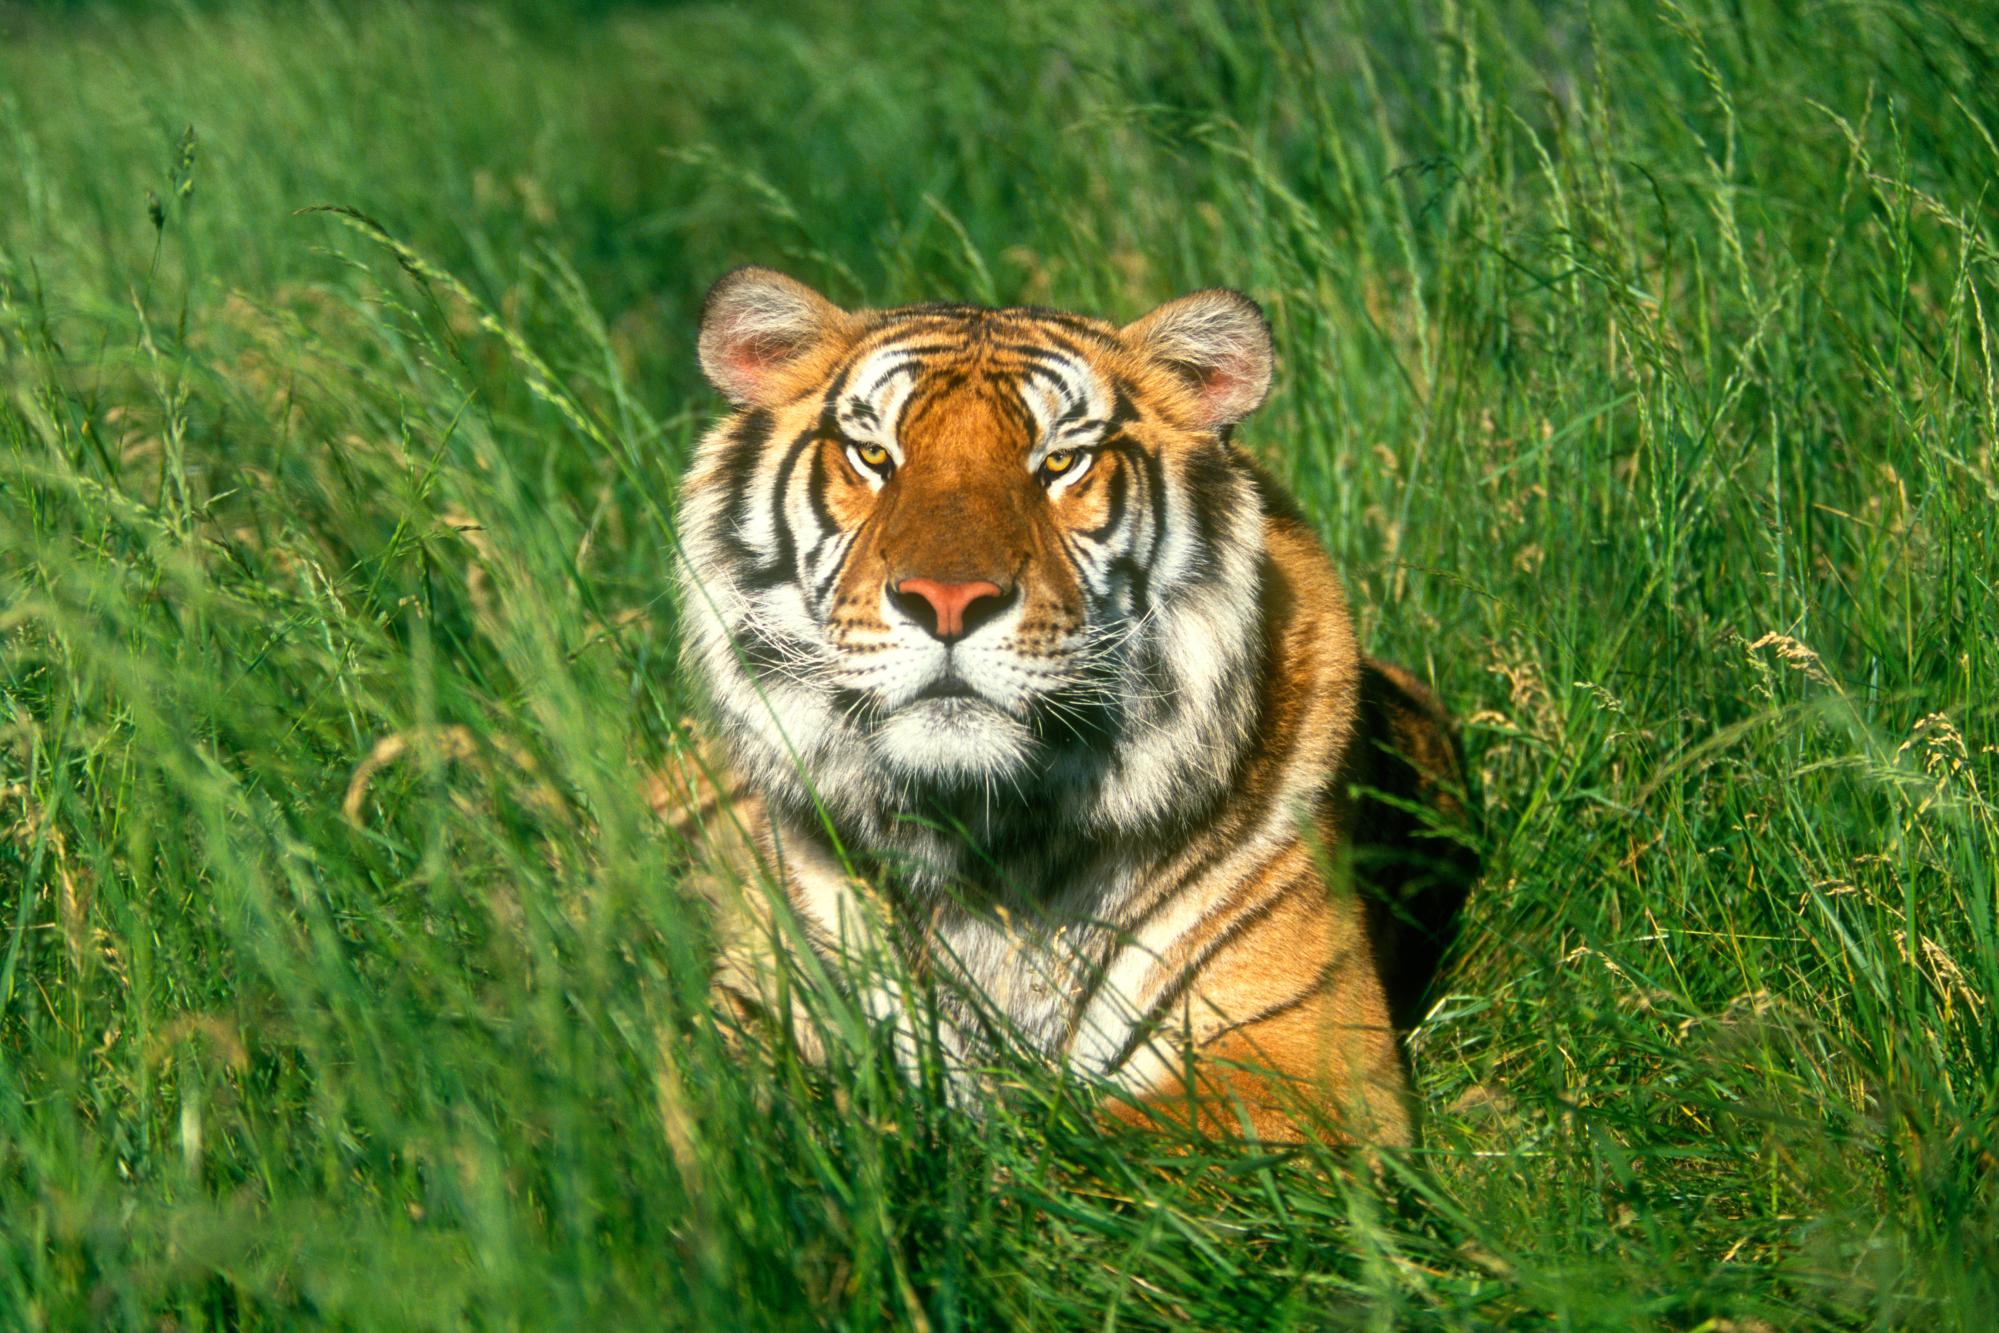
{"x": 783, "y": 564}
{"x": 1035, "y": 352}
{"x": 908, "y": 365}
{"x": 815, "y": 493}
{"x": 909, "y": 400}
{"x": 1088, "y": 722}
{"x": 1210, "y": 487}
{"x": 1123, "y": 409}
{"x": 951, "y": 310}
{"x": 1128, "y": 568}
{"x": 1066, "y": 345}
{"x": 1148, "y": 1022}
{"x": 1012, "y": 402}
{"x": 1074, "y": 325}
{"x": 1032, "y": 371}
{"x": 830, "y": 401}
{"x": 1274, "y": 499}
{"x": 1078, "y": 559}
{"x": 739, "y": 464}
{"x": 824, "y": 586}
{"x": 1155, "y": 484}
{"x": 913, "y": 351}
{"x": 1147, "y": 476}
{"x": 943, "y": 382}
{"x": 764, "y": 652}
{"x": 1320, "y": 980}
{"x": 858, "y": 704}
{"x": 1119, "y": 485}
{"x": 1220, "y": 847}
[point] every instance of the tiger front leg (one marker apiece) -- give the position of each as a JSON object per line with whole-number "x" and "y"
{"x": 1310, "y": 1073}
{"x": 1279, "y": 1031}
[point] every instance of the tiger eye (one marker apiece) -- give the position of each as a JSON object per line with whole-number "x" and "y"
{"x": 1059, "y": 462}
{"x": 872, "y": 454}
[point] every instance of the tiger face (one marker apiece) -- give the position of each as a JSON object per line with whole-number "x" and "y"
{"x": 998, "y": 565}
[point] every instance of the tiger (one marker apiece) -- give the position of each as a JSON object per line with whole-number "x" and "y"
{"x": 1006, "y": 641}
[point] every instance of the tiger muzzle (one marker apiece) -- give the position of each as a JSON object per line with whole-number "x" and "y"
{"x": 949, "y": 611}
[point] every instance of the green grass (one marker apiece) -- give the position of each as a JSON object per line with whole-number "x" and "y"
{"x": 1638, "y": 364}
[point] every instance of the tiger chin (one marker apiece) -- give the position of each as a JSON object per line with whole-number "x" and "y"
{"x": 1016, "y": 662}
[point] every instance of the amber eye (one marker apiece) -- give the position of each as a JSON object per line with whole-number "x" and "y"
{"x": 873, "y": 456}
{"x": 1062, "y": 463}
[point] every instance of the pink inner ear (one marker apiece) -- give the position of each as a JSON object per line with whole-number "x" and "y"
{"x": 1223, "y": 387}
{"x": 755, "y": 355}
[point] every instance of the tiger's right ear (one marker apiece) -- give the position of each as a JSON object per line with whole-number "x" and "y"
{"x": 756, "y": 322}
{"x": 1219, "y": 343}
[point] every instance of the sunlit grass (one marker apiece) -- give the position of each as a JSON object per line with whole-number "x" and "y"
{"x": 1638, "y": 367}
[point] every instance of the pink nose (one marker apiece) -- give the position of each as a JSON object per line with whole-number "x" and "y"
{"x": 948, "y": 603}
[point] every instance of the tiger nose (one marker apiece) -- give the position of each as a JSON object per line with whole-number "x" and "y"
{"x": 949, "y": 611}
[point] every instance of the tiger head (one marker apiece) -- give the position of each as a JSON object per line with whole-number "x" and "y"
{"x": 1000, "y": 564}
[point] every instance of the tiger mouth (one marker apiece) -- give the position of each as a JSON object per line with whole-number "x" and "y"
{"x": 950, "y": 685}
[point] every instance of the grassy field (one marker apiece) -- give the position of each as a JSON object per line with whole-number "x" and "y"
{"x": 1638, "y": 364}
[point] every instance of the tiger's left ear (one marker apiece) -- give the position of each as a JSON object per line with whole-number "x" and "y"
{"x": 756, "y": 323}
{"x": 1219, "y": 342}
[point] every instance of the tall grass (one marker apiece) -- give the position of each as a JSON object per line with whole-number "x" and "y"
{"x": 1639, "y": 367}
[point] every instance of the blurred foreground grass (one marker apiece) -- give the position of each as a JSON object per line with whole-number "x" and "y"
{"x": 1638, "y": 365}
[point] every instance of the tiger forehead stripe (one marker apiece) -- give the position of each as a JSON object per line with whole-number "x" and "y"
{"x": 1055, "y": 388}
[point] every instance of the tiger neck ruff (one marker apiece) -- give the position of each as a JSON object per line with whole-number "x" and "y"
{"x": 989, "y": 609}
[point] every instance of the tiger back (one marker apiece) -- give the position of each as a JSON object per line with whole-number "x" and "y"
{"x": 1007, "y": 643}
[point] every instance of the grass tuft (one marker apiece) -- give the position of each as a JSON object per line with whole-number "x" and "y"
{"x": 1638, "y": 365}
